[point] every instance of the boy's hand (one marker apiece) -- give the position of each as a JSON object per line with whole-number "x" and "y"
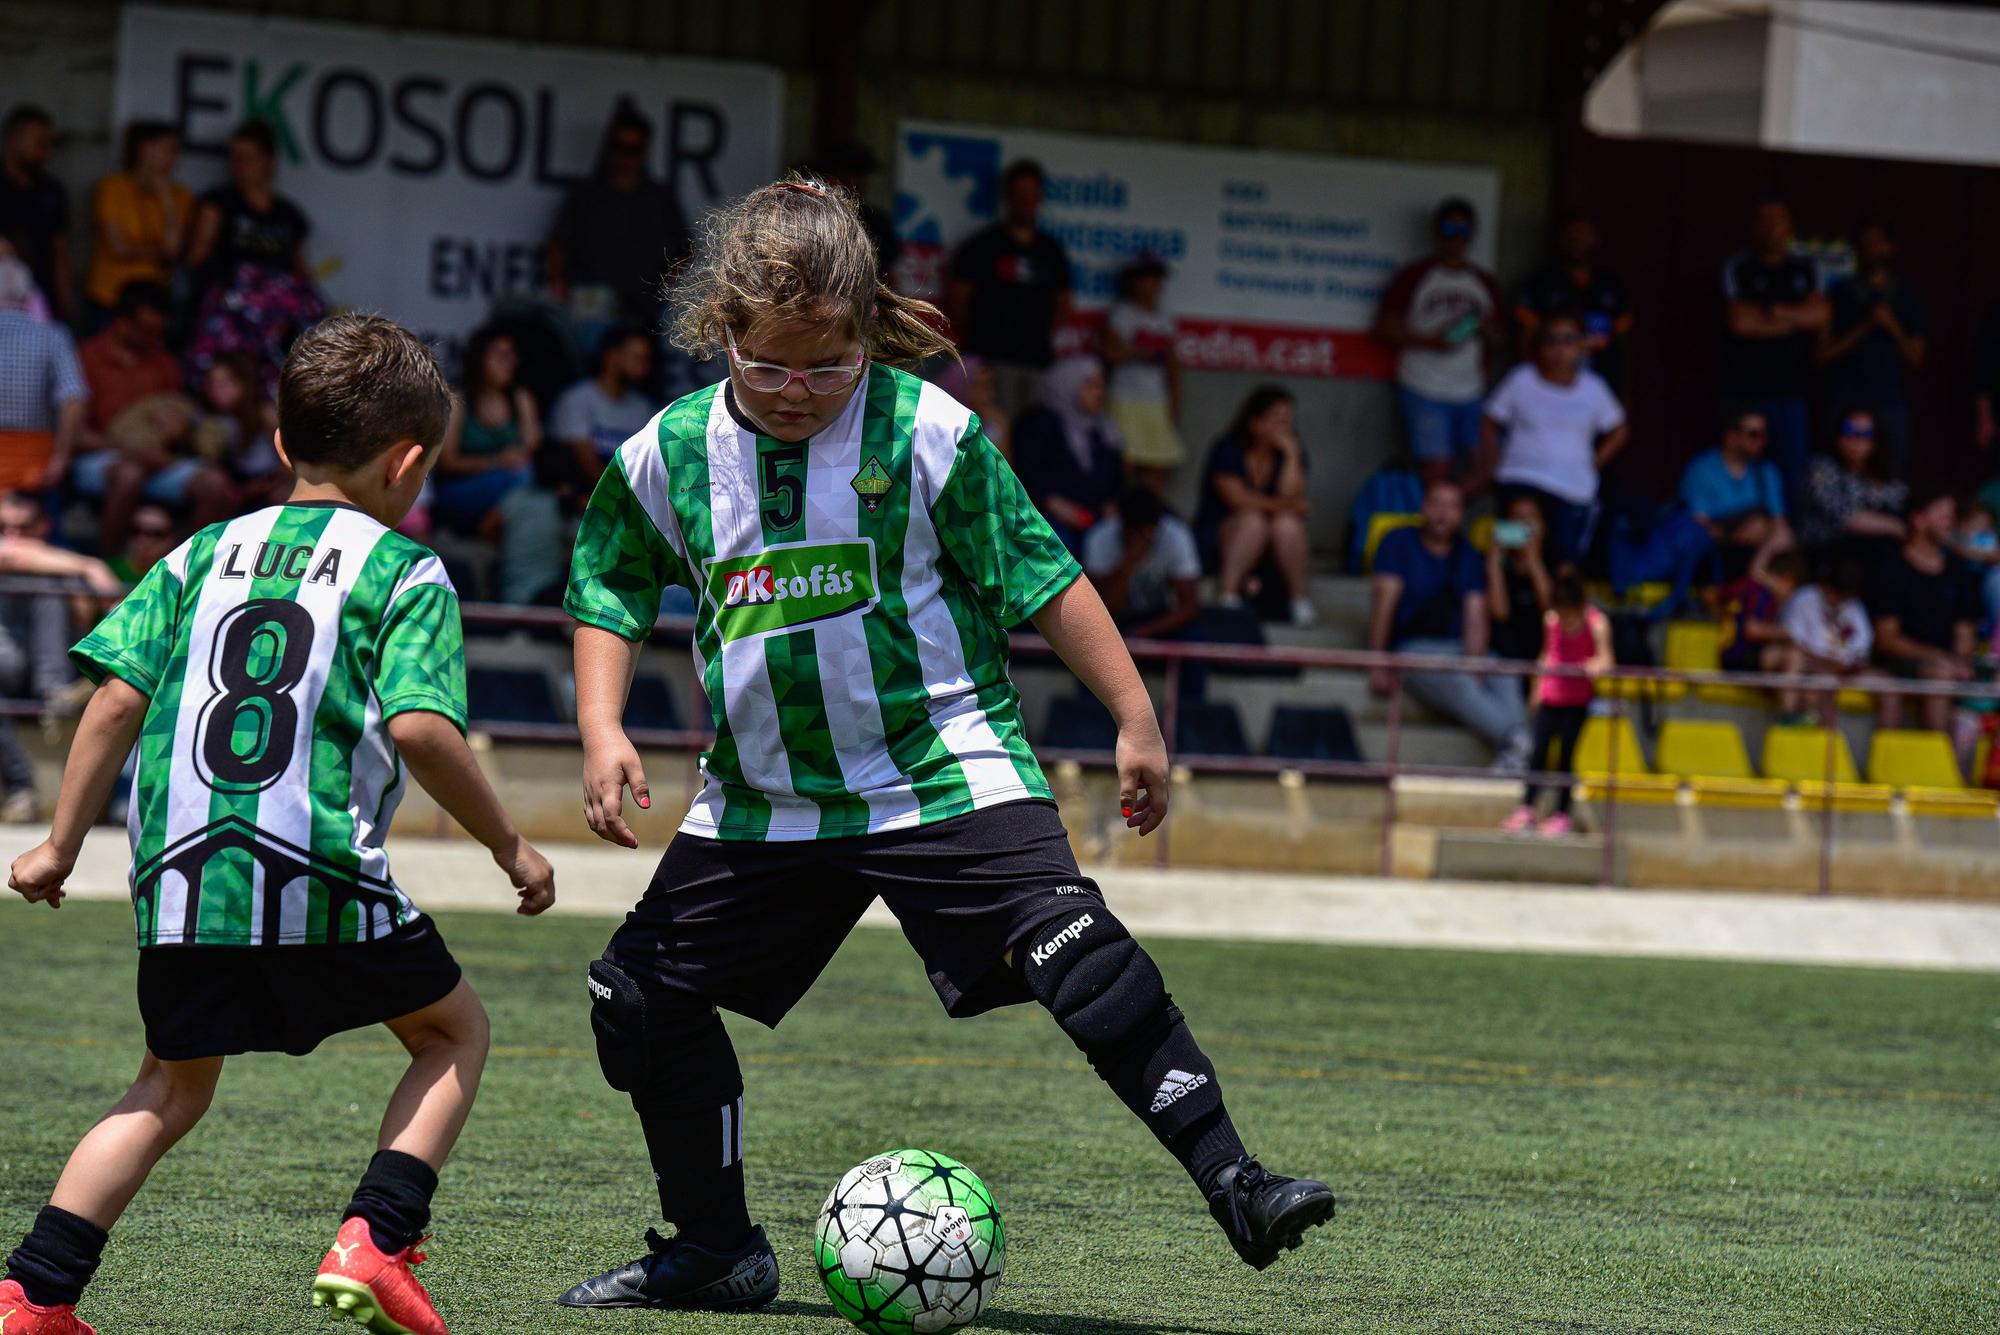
{"x": 39, "y": 873}
{"x": 1142, "y": 777}
{"x": 532, "y": 876}
{"x": 610, "y": 765}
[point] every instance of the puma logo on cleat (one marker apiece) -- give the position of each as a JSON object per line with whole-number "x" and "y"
{"x": 1044, "y": 952}
{"x": 1177, "y": 1086}
{"x": 345, "y": 1250}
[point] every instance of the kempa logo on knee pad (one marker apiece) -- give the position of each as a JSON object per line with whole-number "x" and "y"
{"x": 1041, "y": 954}
{"x": 597, "y": 989}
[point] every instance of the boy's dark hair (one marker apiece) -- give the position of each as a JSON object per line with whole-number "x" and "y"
{"x": 1787, "y": 565}
{"x": 1020, "y": 167}
{"x": 1930, "y": 493}
{"x": 1455, "y": 207}
{"x": 615, "y": 336}
{"x": 259, "y": 135}
{"x": 1140, "y": 507}
{"x": 1255, "y": 404}
{"x": 1734, "y": 411}
{"x": 23, "y": 114}
{"x": 353, "y": 386}
{"x": 139, "y": 134}
{"x": 143, "y": 294}
{"x": 1567, "y": 590}
{"x": 1847, "y": 576}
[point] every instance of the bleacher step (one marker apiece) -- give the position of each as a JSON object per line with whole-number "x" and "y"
{"x": 1484, "y": 855}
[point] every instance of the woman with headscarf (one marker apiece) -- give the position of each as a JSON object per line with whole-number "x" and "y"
{"x": 1068, "y": 453}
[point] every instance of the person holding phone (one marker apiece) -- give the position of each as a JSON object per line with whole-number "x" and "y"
{"x": 1518, "y": 587}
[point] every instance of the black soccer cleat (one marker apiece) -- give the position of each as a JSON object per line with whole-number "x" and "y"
{"x": 681, "y": 1274}
{"x": 1266, "y": 1215}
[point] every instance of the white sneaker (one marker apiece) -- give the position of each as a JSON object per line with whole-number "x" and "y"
{"x": 1304, "y": 613}
{"x": 1230, "y": 600}
{"x": 19, "y": 808}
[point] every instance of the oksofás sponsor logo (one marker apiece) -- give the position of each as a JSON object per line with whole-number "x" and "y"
{"x": 793, "y": 585}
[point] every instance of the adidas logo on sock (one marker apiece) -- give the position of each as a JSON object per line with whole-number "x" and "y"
{"x": 1177, "y": 1086}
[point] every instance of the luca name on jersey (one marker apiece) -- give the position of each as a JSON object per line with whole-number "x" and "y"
{"x": 277, "y": 560}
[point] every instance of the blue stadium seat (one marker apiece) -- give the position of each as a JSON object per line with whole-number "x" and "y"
{"x": 651, "y": 705}
{"x": 1232, "y": 625}
{"x": 1307, "y": 732}
{"x": 1213, "y": 728}
{"x": 510, "y": 695}
{"x": 1079, "y": 723}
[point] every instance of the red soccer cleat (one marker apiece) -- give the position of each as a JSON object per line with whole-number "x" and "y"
{"x": 18, "y": 1316}
{"x": 359, "y": 1280}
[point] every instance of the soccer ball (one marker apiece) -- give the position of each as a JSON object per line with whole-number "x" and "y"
{"x": 910, "y": 1242}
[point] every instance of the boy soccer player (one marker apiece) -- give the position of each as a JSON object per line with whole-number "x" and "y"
{"x": 857, "y": 550}
{"x": 280, "y": 672}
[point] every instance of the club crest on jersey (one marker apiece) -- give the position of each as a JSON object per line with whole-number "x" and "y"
{"x": 872, "y": 483}
{"x": 791, "y": 585}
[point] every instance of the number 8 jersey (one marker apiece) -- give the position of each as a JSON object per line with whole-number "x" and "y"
{"x": 274, "y": 649}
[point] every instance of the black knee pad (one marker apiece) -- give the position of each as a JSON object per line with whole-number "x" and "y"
{"x": 650, "y": 1039}
{"x": 1101, "y": 987}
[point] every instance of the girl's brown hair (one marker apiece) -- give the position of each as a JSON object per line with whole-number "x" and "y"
{"x": 796, "y": 250}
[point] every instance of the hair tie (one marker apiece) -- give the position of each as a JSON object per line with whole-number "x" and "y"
{"x": 806, "y": 186}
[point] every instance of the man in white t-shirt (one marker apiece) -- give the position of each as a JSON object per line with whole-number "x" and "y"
{"x": 1145, "y": 565}
{"x": 1441, "y": 315}
{"x": 1562, "y": 424}
{"x": 593, "y": 417}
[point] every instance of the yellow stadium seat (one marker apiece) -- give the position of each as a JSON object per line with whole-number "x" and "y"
{"x": 1798, "y": 756}
{"x": 1858, "y": 797}
{"x": 1636, "y": 781}
{"x": 1913, "y": 758}
{"x": 1703, "y": 749}
{"x": 1380, "y": 525}
{"x": 1754, "y": 794}
{"x": 1952, "y": 803}
{"x": 1480, "y": 534}
{"x": 1694, "y": 646}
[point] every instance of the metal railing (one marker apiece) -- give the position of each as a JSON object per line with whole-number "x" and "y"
{"x": 1173, "y": 658}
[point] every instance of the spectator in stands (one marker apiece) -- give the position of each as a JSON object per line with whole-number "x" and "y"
{"x": 1754, "y": 635}
{"x": 1735, "y": 493}
{"x": 1574, "y": 635}
{"x": 492, "y": 437}
{"x": 1562, "y": 424}
{"x": 1067, "y": 452}
{"x": 142, "y": 216}
{"x": 1830, "y": 628}
{"x": 1574, "y": 283}
{"x": 1252, "y": 522}
{"x": 237, "y": 432}
{"x": 1926, "y": 609}
{"x": 1429, "y": 597}
{"x": 1518, "y": 587}
{"x": 1144, "y": 562}
{"x": 1976, "y": 542}
{"x": 249, "y": 258}
{"x": 34, "y": 207}
{"x": 618, "y": 231}
{"x": 139, "y": 428}
{"x": 1774, "y": 314}
{"x": 1874, "y": 339}
{"x": 1441, "y": 315}
{"x": 43, "y": 395}
{"x": 851, "y": 165}
{"x": 1145, "y": 384}
{"x": 1009, "y": 290}
{"x": 976, "y": 390}
{"x": 148, "y": 539}
{"x": 595, "y": 416}
{"x": 1850, "y": 502}
{"x": 37, "y": 630}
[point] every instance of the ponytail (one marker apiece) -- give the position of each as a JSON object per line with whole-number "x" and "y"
{"x": 905, "y": 331}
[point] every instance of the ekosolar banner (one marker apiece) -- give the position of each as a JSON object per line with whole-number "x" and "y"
{"x": 432, "y": 166}
{"x": 1276, "y": 260}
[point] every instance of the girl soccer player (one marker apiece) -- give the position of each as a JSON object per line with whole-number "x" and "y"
{"x": 857, "y": 550}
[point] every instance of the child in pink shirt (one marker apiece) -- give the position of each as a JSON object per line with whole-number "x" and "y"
{"x": 1574, "y": 634}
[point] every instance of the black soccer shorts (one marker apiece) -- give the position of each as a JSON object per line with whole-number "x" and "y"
{"x": 217, "y": 1001}
{"x": 750, "y": 926}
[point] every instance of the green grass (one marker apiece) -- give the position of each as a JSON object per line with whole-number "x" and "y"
{"x": 1519, "y": 1143}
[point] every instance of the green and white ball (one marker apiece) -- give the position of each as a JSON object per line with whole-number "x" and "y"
{"x": 910, "y": 1242}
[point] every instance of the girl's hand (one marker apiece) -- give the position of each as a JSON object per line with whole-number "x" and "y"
{"x": 1142, "y": 777}
{"x": 610, "y": 766}
{"x": 39, "y": 873}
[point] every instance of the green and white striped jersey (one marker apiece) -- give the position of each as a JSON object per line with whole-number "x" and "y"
{"x": 852, "y": 598}
{"x": 273, "y": 649}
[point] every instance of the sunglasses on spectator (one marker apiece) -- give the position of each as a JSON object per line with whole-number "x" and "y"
{"x": 771, "y": 378}
{"x": 1858, "y": 430}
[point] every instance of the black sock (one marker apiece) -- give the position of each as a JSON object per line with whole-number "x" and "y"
{"x": 1207, "y": 1147}
{"x": 395, "y": 1198}
{"x": 57, "y": 1258}
{"x": 1168, "y": 1082}
{"x": 691, "y": 1108}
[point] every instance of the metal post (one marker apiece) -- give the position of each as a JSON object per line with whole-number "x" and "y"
{"x": 1607, "y": 868}
{"x": 1829, "y": 713}
{"x": 1394, "y": 758}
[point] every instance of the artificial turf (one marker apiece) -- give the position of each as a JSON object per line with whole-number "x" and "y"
{"x": 1520, "y": 1143}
